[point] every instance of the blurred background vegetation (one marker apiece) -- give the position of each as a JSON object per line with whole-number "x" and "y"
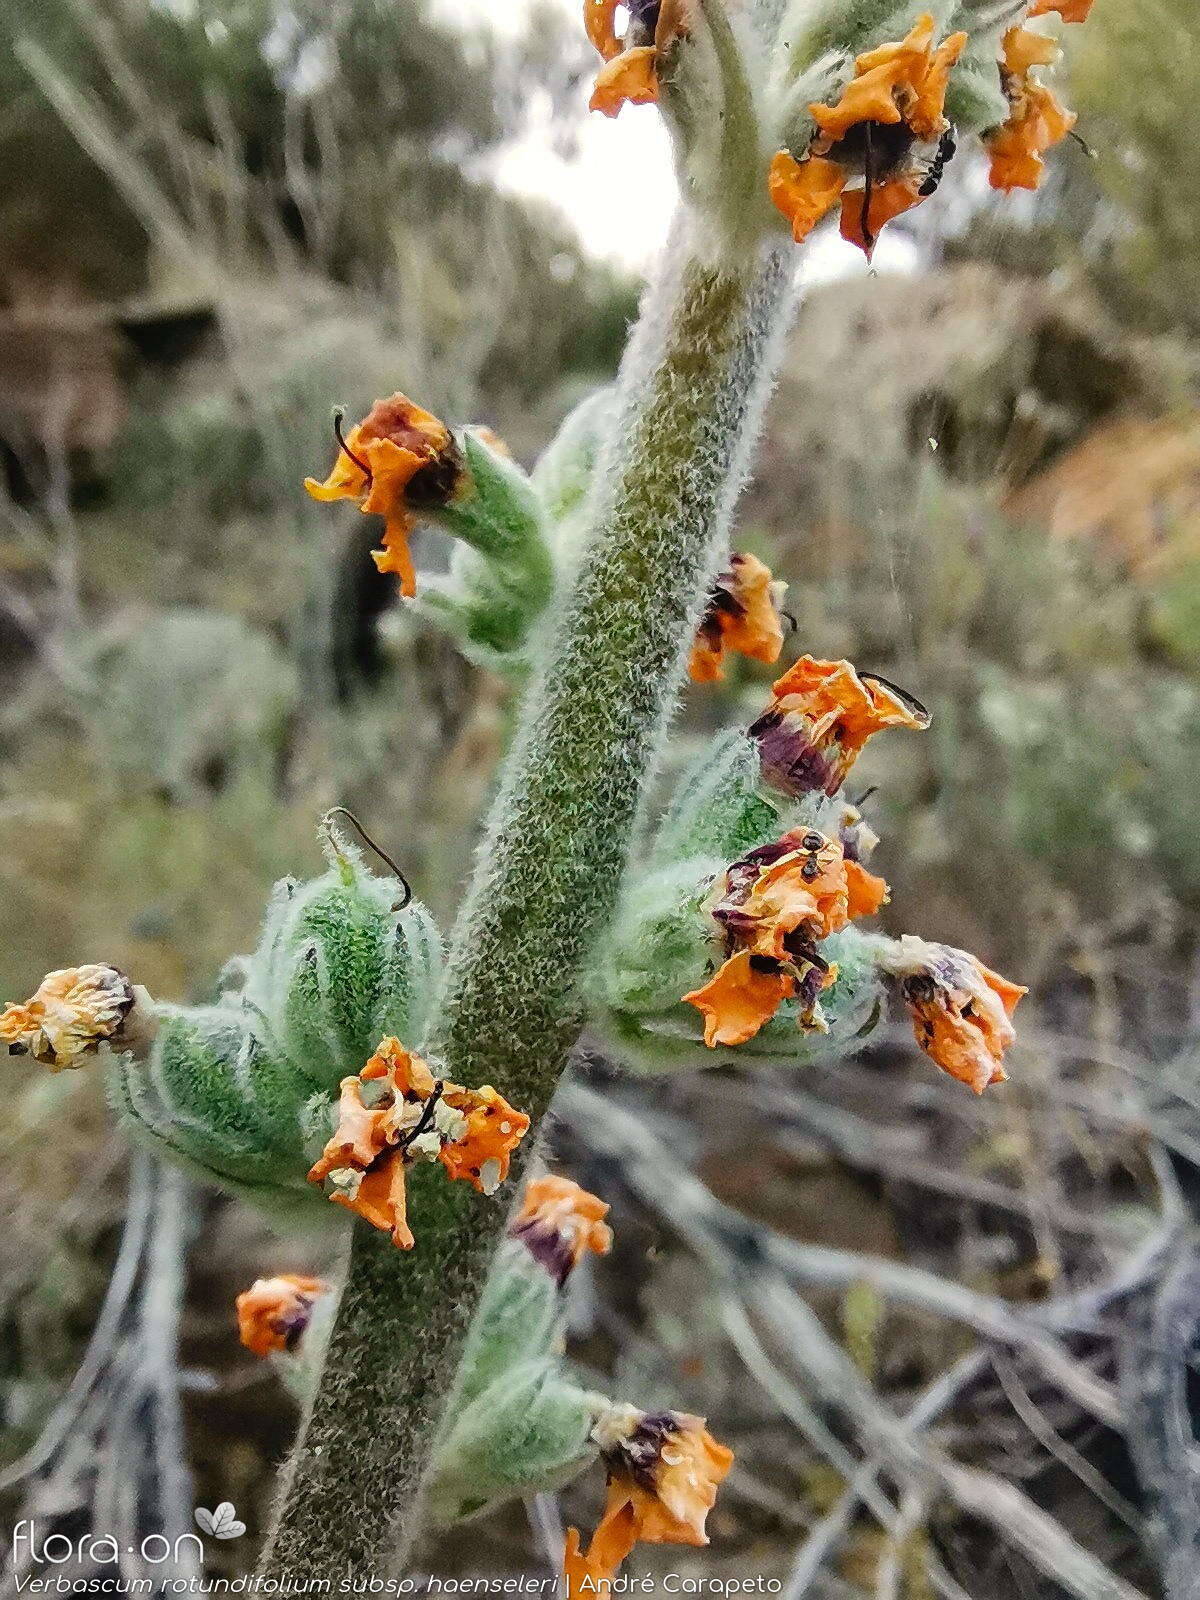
{"x": 981, "y": 477}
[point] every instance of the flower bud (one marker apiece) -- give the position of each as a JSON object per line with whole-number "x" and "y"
{"x": 502, "y": 571}
{"x": 720, "y": 807}
{"x": 209, "y": 1095}
{"x": 341, "y": 962}
{"x": 528, "y": 1432}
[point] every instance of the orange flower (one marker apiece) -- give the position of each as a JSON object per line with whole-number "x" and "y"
{"x": 394, "y": 1113}
{"x": 558, "y": 1224}
{"x": 894, "y": 102}
{"x": 630, "y": 71}
{"x": 1068, "y": 10}
{"x": 396, "y": 449}
{"x": 821, "y": 715}
{"x": 774, "y": 906}
{"x": 664, "y": 1470}
{"x": 896, "y": 83}
{"x": 73, "y": 1012}
{"x": 1036, "y": 121}
{"x": 273, "y": 1312}
{"x": 804, "y": 191}
{"x": 742, "y": 615}
{"x": 961, "y": 1010}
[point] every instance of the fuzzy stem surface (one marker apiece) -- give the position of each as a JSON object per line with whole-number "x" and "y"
{"x": 693, "y": 386}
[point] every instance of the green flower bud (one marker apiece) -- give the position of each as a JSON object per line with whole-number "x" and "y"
{"x": 210, "y": 1095}
{"x": 719, "y": 807}
{"x": 565, "y": 469}
{"x": 502, "y": 572}
{"x": 528, "y": 1431}
{"x": 341, "y": 963}
{"x": 519, "y": 1319}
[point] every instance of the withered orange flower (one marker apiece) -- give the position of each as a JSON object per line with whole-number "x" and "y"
{"x": 961, "y": 1010}
{"x": 742, "y": 615}
{"x": 559, "y": 1223}
{"x": 396, "y": 449}
{"x": 1036, "y": 121}
{"x": 893, "y": 105}
{"x": 744, "y": 994}
{"x": 393, "y": 1113}
{"x": 630, "y": 72}
{"x": 664, "y": 1471}
{"x": 774, "y": 906}
{"x": 273, "y": 1312}
{"x": 73, "y": 1012}
{"x": 866, "y": 892}
{"x": 821, "y": 715}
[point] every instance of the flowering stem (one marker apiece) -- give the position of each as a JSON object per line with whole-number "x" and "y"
{"x": 694, "y": 383}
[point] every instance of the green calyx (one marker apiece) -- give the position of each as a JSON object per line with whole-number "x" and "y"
{"x": 229, "y": 1088}
{"x": 502, "y": 571}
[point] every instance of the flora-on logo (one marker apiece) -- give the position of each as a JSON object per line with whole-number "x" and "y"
{"x": 222, "y": 1523}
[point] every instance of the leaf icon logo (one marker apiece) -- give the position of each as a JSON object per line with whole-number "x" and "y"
{"x": 222, "y": 1523}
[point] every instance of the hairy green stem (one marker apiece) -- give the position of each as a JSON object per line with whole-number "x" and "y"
{"x": 693, "y": 388}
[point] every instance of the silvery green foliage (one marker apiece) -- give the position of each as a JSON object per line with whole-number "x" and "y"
{"x": 563, "y": 474}
{"x": 229, "y": 1088}
{"x": 224, "y": 702}
{"x": 516, "y": 1423}
{"x": 502, "y": 571}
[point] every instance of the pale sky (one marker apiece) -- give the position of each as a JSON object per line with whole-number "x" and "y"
{"x": 619, "y": 190}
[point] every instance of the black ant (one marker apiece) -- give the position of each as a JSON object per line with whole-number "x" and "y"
{"x": 947, "y": 145}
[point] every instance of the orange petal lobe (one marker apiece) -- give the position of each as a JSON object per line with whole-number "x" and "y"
{"x": 804, "y": 191}
{"x": 862, "y": 224}
{"x": 739, "y": 999}
{"x": 628, "y": 79}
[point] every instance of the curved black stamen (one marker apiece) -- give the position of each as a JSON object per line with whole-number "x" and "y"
{"x": 425, "y": 1118}
{"x": 864, "y": 797}
{"x": 786, "y": 616}
{"x": 1083, "y": 144}
{"x": 343, "y": 811}
{"x": 910, "y": 700}
{"x": 868, "y": 189}
{"x": 338, "y": 413}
